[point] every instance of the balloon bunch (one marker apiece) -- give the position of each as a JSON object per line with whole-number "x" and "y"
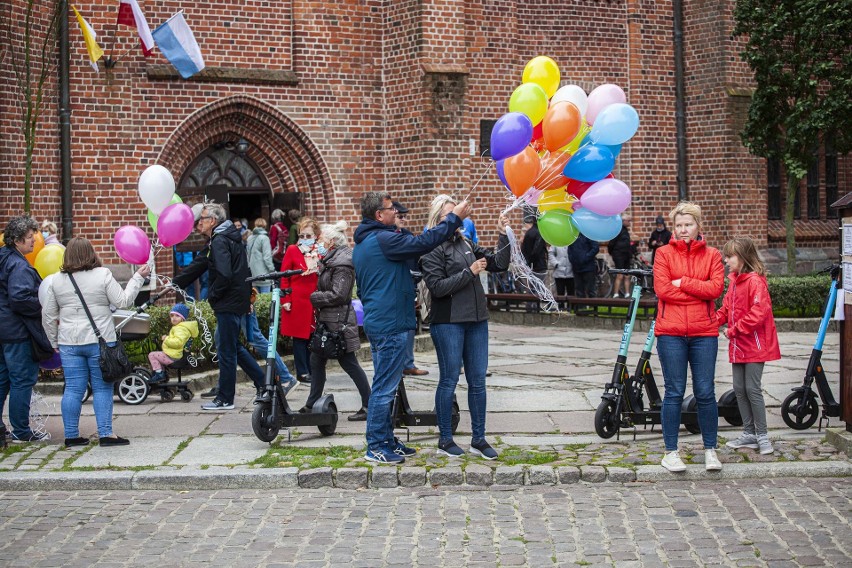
{"x": 46, "y": 259}
{"x": 170, "y": 218}
{"x": 556, "y": 149}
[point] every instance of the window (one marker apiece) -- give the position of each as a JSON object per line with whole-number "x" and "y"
{"x": 485, "y": 128}
{"x": 773, "y": 188}
{"x": 813, "y": 186}
{"x": 830, "y": 176}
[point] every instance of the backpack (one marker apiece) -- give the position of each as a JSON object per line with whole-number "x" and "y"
{"x": 281, "y": 234}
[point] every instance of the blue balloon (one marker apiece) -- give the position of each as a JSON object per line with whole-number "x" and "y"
{"x": 501, "y": 173}
{"x": 599, "y": 228}
{"x": 615, "y": 149}
{"x": 616, "y": 124}
{"x": 510, "y": 135}
{"x": 592, "y": 162}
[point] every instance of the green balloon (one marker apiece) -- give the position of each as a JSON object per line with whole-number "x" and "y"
{"x": 152, "y": 218}
{"x": 556, "y": 228}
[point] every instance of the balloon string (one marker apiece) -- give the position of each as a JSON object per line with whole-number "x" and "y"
{"x": 522, "y": 271}
{"x": 475, "y": 185}
{"x": 207, "y": 342}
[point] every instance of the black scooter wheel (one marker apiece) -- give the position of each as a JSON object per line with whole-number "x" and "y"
{"x": 606, "y": 420}
{"x": 260, "y": 418}
{"x": 728, "y": 401}
{"x": 328, "y": 429}
{"x": 456, "y": 417}
{"x": 690, "y": 405}
{"x": 800, "y": 410}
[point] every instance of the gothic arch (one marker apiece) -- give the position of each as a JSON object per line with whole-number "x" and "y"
{"x": 286, "y": 156}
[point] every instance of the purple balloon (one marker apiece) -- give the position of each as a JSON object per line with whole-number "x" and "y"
{"x": 501, "y": 173}
{"x": 607, "y": 197}
{"x": 132, "y": 244}
{"x": 53, "y": 363}
{"x": 510, "y": 135}
{"x": 359, "y": 311}
{"x": 175, "y": 224}
{"x": 591, "y": 163}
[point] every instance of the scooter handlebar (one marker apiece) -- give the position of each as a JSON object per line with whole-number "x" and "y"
{"x": 275, "y": 275}
{"x": 637, "y": 272}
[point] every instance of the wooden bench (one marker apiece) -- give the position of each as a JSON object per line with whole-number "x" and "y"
{"x": 597, "y": 307}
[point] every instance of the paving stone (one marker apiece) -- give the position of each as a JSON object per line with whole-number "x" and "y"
{"x": 542, "y": 475}
{"x": 593, "y": 473}
{"x": 620, "y": 474}
{"x": 509, "y": 475}
{"x": 351, "y": 477}
{"x": 316, "y": 477}
{"x": 412, "y": 476}
{"x": 568, "y": 474}
{"x": 451, "y": 475}
{"x": 478, "y": 475}
{"x": 383, "y": 477}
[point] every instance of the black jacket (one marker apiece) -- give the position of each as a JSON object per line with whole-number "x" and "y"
{"x": 20, "y": 309}
{"x": 534, "y": 250}
{"x": 582, "y": 254}
{"x": 228, "y": 265}
{"x": 333, "y": 297}
{"x": 621, "y": 243}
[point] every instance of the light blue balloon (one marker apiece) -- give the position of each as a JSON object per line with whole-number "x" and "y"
{"x": 616, "y": 124}
{"x": 599, "y": 228}
{"x": 592, "y": 162}
{"x": 615, "y": 149}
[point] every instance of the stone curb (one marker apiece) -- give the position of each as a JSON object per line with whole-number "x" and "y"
{"x": 474, "y": 477}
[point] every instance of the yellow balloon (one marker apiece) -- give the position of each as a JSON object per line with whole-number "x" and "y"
{"x": 2, "y": 240}
{"x": 531, "y": 100}
{"x": 544, "y": 72}
{"x": 556, "y": 199}
{"x": 49, "y": 260}
{"x": 574, "y": 145}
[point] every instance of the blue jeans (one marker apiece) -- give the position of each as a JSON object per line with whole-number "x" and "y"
{"x": 231, "y": 352}
{"x": 251, "y": 329}
{"x": 301, "y": 356}
{"x": 457, "y": 343}
{"x": 409, "y": 351}
{"x": 388, "y": 351}
{"x": 18, "y": 376}
{"x": 700, "y": 354}
{"x": 80, "y": 364}
{"x": 264, "y": 289}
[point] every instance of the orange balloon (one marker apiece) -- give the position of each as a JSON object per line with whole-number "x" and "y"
{"x": 39, "y": 244}
{"x": 551, "y": 171}
{"x": 560, "y": 125}
{"x": 521, "y": 170}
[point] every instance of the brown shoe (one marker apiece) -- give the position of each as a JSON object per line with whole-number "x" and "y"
{"x": 414, "y": 371}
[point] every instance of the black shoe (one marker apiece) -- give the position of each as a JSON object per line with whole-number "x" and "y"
{"x": 305, "y": 379}
{"x": 71, "y": 442}
{"x": 359, "y": 416}
{"x": 211, "y": 393}
{"x": 117, "y": 441}
{"x": 306, "y": 410}
{"x": 158, "y": 377}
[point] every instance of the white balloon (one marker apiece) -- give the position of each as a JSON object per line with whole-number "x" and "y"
{"x": 43, "y": 287}
{"x": 156, "y": 188}
{"x": 572, "y": 94}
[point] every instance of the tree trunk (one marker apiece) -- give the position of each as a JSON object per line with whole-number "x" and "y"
{"x": 792, "y": 186}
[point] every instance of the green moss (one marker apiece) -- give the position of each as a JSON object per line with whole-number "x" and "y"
{"x": 291, "y": 456}
{"x": 531, "y": 456}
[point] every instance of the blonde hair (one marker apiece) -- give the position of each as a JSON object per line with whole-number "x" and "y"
{"x": 687, "y": 208}
{"x": 260, "y": 222}
{"x": 437, "y": 207}
{"x": 336, "y": 233}
{"x": 49, "y": 226}
{"x": 744, "y": 249}
{"x": 309, "y": 222}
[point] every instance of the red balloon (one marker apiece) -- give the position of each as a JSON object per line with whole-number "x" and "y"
{"x": 578, "y": 188}
{"x": 522, "y": 170}
{"x": 538, "y": 132}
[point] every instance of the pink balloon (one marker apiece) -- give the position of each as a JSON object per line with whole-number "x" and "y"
{"x": 606, "y": 197}
{"x": 603, "y": 96}
{"x": 175, "y": 224}
{"x": 132, "y": 244}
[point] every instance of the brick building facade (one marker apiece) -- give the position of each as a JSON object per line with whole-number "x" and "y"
{"x": 334, "y": 98}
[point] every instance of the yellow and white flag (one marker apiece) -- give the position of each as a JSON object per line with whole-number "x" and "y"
{"x": 95, "y": 51}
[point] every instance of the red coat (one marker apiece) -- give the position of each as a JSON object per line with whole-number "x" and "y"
{"x": 747, "y": 311}
{"x": 299, "y": 321}
{"x": 689, "y": 310}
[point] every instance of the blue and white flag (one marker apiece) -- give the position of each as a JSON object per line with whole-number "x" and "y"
{"x": 176, "y": 42}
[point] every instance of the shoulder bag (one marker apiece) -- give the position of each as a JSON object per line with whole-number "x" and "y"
{"x": 329, "y": 344}
{"x": 113, "y": 360}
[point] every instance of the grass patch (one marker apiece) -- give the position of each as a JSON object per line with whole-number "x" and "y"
{"x": 575, "y": 447}
{"x": 515, "y": 456}
{"x": 334, "y": 456}
{"x": 520, "y": 539}
{"x": 181, "y": 447}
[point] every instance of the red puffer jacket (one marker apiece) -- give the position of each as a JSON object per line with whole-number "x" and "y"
{"x": 689, "y": 310}
{"x": 747, "y": 310}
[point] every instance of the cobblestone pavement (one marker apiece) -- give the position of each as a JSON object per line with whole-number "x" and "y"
{"x": 739, "y": 523}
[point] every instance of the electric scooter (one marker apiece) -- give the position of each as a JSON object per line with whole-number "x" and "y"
{"x": 273, "y": 411}
{"x": 800, "y": 409}
{"x": 403, "y": 416}
{"x": 622, "y": 403}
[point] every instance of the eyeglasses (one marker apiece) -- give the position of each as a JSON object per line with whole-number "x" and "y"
{"x": 401, "y": 216}
{"x": 391, "y": 208}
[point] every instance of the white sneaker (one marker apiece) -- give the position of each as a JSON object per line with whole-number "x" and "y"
{"x": 711, "y": 461}
{"x": 616, "y": 295}
{"x": 672, "y": 462}
{"x": 764, "y": 445}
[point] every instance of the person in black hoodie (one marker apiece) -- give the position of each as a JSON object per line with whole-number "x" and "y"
{"x": 659, "y": 236}
{"x": 619, "y": 249}
{"x": 582, "y": 253}
{"x": 229, "y": 296}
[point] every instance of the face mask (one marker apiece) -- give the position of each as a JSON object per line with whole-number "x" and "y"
{"x": 45, "y": 234}
{"x": 307, "y": 242}
{"x": 321, "y": 249}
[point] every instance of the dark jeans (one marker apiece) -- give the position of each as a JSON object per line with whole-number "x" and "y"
{"x": 18, "y": 376}
{"x": 388, "y": 352}
{"x": 457, "y": 343}
{"x": 584, "y": 284}
{"x": 231, "y": 352}
{"x": 699, "y": 353}
{"x": 564, "y": 286}
{"x": 301, "y": 356}
{"x": 349, "y": 363}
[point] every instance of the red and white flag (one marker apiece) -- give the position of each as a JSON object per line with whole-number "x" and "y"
{"x": 130, "y": 14}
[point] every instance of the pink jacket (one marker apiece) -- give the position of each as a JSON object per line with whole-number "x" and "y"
{"x": 747, "y": 311}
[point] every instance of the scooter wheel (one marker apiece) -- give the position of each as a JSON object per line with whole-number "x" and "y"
{"x": 456, "y": 416}
{"x": 690, "y": 405}
{"x": 328, "y": 429}
{"x": 260, "y": 419}
{"x": 606, "y": 420}
{"x": 800, "y": 414}
{"x": 728, "y": 402}
{"x": 132, "y": 389}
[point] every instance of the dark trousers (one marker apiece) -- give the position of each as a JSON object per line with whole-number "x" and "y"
{"x": 301, "y": 356}
{"x": 584, "y": 284}
{"x": 231, "y": 352}
{"x": 349, "y": 363}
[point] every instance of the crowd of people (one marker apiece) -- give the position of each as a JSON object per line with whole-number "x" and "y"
{"x": 74, "y": 315}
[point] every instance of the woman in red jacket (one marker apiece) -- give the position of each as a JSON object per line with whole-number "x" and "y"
{"x": 688, "y": 277}
{"x": 297, "y": 312}
{"x": 747, "y": 311}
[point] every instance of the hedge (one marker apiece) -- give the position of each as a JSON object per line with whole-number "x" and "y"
{"x": 802, "y": 296}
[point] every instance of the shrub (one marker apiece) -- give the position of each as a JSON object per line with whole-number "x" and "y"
{"x": 803, "y": 296}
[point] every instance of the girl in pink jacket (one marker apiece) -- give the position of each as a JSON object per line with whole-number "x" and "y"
{"x": 753, "y": 339}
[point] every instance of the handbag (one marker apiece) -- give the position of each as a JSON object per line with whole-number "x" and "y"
{"x": 329, "y": 344}
{"x": 113, "y": 360}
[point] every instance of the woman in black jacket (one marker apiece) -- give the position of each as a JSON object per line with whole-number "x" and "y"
{"x": 333, "y": 302}
{"x": 459, "y": 324}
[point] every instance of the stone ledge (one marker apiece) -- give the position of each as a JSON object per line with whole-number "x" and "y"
{"x": 840, "y": 439}
{"x": 159, "y": 71}
{"x": 217, "y": 478}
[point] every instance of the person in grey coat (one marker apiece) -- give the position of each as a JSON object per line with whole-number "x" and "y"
{"x": 260, "y": 255}
{"x": 563, "y": 273}
{"x": 333, "y": 302}
{"x": 459, "y": 324}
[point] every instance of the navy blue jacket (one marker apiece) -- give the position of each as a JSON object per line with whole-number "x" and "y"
{"x": 582, "y": 254}
{"x": 20, "y": 310}
{"x": 381, "y": 258}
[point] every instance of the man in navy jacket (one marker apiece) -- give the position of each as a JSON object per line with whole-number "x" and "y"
{"x": 385, "y": 287}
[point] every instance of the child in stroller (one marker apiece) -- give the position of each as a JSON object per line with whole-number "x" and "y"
{"x": 173, "y": 344}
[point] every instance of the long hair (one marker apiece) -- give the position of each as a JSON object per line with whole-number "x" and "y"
{"x": 437, "y": 207}
{"x": 744, "y": 249}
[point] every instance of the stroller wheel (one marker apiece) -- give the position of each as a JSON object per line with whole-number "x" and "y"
{"x": 133, "y": 389}
{"x": 167, "y": 395}
{"x": 187, "y": 395}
